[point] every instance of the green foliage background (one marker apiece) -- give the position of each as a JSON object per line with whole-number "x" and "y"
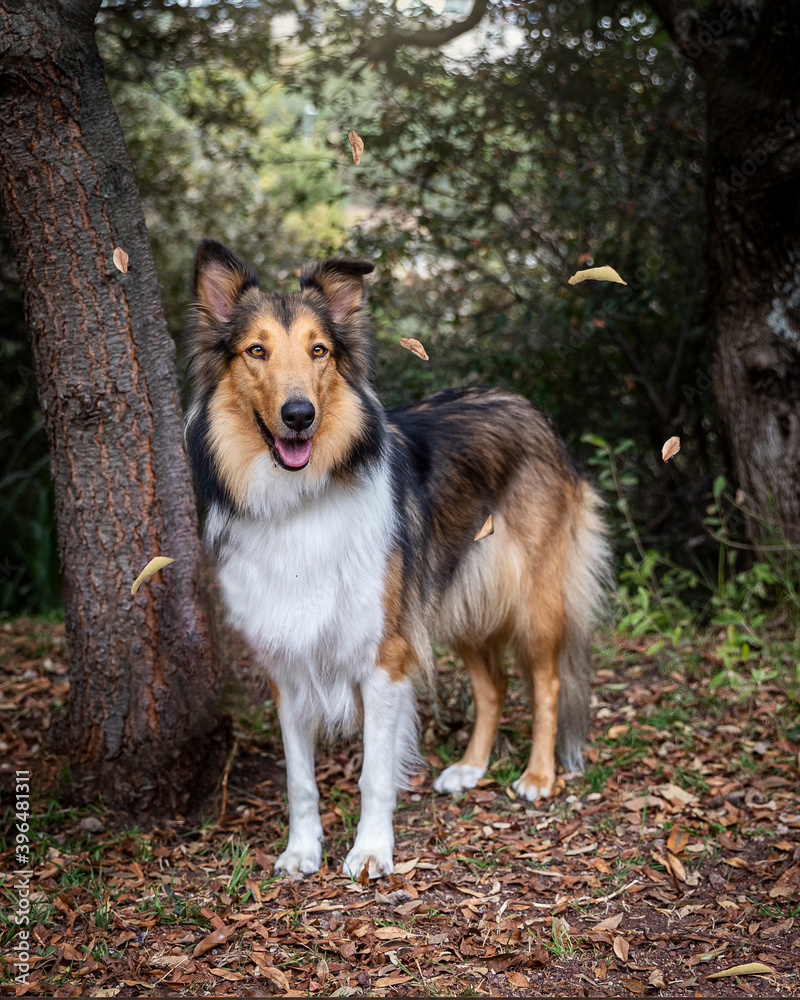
{"x": 569, "y": 135}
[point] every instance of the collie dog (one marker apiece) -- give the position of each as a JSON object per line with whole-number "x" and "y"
{"x": 344, "y": 538}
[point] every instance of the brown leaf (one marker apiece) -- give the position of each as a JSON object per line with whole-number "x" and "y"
{"x": 633, "y": 985}
{"x": 735, "y": 862}
{"x": 678, "y": 839}
{"x": 415, "y": 347}
{"x": 120, "y": 259}
{"x": 487, "y": 529}
{"x": 357, "y": 145}
{"x": 596, "y": 274}
{"x": 670, "y": 448}
{"x": 230, "y": 974}
{"x": 347, "y": 949}
{"x": 750, "y": 969}
{"x": 609, "y": 924}
{"x": 393, "y": 933}
{"x": 275, "y": 976}
{"x": 656, "y": 978}
{"x": 208, "y": 942}
{"x": 675, "y": 865}
{"x": 621, "y": 948}
{"x": 518, "y": 981}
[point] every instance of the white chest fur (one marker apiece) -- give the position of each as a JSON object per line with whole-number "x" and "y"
{"x": 305, "y": 589}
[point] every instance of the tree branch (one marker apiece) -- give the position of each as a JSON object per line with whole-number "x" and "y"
{"x": 381, "y": 49}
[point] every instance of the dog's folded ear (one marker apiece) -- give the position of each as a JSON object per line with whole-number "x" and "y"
{"x": 220, "y": 277}
{"x": 342, "y": 284}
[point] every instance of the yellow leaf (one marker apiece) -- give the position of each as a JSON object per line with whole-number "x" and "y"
{"x": 751, "y": 969}
{"x": 487, "y": 529}
{"x": 152, "y": 567}
{"x": 619, "y": 730}
{"x": 670, "y": 448}
{"x": 357, "y": 145}
{"x": 596, "y": 274}
{"x": 120, "y": 259}
{"x": 414, "y": 346}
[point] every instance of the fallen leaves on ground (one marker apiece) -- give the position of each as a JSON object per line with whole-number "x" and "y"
{"x": 575, "y": 896}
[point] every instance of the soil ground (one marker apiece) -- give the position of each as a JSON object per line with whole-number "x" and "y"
{"x": 674, "y": 857}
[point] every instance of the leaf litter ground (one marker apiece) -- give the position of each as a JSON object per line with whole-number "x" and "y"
{"x": 675, "y": 856}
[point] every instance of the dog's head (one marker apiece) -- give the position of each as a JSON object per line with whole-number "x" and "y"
{"x": 284, "y": 373}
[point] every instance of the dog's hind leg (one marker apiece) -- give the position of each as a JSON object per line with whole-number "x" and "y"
{"x": 538, "y": 658}
{"x": 489, "y": 682}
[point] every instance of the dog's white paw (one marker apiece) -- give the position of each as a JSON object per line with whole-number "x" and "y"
{"x": 377, "y": 859}
{"x": 534, "y": 786}
{"x": 457, "y": 777}
{"x": 303, "y": 861}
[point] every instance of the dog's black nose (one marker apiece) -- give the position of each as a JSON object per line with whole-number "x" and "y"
{"x": 298, "y": 414}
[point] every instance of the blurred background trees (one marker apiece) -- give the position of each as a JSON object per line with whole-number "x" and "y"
{"x": 552, "y": 137}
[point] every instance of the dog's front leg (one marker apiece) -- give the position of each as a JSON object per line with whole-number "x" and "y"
{"x": 389, "y": 732}
{"x": 303, "y": 854}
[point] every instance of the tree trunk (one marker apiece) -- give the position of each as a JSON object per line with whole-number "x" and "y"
{"x": 754, "y": 288}
{"x": 746, "y": 54}
{"x": 145, "y": 677}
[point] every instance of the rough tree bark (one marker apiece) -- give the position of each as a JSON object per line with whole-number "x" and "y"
{"x": 746, "y": 53}
{"x": 145, "y": 676}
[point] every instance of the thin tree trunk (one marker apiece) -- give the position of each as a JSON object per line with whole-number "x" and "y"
{"x": 145, "y": 677}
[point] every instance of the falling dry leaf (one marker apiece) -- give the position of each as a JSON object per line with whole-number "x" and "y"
{"x": 621, "y": 948}
{"x": 120, "y": 259}
{"x": 357, "y": 145}
{"x": 751, "y": 969}
{"x": 414, "y": 346}
{"x": 670, "y": 448}
{"x": 596, "y": 274}
{"x": 152, "y": 567}
{"x": 487, "y": 529}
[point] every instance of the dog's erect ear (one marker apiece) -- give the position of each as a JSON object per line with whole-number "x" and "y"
{"x": 342, "y": 284}
{"x": 220, "y": 277}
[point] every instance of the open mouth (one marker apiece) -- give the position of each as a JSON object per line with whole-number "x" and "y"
{"x": 290, "y": 453}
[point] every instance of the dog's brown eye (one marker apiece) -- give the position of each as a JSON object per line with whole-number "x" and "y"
{"x": 319, "y": 351}
{"x": 256, "y": 351}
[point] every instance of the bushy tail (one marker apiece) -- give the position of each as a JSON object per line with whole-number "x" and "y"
{"x": 587, "y": 577}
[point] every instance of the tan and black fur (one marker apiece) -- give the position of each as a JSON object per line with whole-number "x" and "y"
{"x": 448, "y": 461}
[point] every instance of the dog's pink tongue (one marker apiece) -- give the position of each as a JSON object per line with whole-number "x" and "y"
{"x": 295, "y": 453}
